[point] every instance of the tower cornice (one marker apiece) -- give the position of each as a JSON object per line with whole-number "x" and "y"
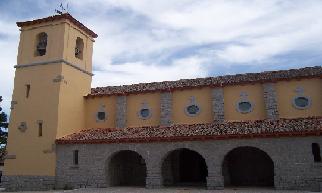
{"x": 56, "y": 18}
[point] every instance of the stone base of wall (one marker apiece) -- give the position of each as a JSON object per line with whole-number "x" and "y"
{"x": 18, "y": 183}
{"x": 294, "y": 166}
{"x": 298, "y": 183}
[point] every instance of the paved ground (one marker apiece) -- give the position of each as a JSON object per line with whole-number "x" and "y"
{"x": 172, "y": 190}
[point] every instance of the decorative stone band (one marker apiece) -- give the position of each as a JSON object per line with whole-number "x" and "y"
{"x": 121, "y": 112}
{"x": 166, "y": 109}
{"x": 10, "y": 157}
{"x": 218, "y": 104}
{"x": 13, "y": 103}
{"x": 52, "y": 62}
{"x": 52, "y": 149}
{"x": 270, "y": 100}
{"x": 208, "y": 131}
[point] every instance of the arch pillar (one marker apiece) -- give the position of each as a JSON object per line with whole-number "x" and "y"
{"x": 153, "y": 180}
{"x": 215, "y": 179}
{"x": 153, "y": 175}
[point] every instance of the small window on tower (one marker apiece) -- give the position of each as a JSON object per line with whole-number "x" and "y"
{"x": 79, "y": 48}
{"x": 27, "y": 90}
{"x": 40, "y": 124}
{"x": 41, "y": 44}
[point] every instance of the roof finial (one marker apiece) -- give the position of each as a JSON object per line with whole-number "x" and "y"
{"x": 61, "y": 9}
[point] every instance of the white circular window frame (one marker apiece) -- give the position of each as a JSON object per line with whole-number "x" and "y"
{"x": 189, "y": 114}
{"x": 144, "y": 118}
{"x": 244, "y": 101}
{"x": 301, "y": 108}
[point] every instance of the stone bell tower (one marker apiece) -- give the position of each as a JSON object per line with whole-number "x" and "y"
{"x": 53, "y": 73}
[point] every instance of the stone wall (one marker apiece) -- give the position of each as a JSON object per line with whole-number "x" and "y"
{"x": 121, "y": 112}
{"x": 294, "y": 167}
{"x": 17, "y": 183}
{"x": 166, "y": 109}
{"x": 218, "y": 104}
{"x": 270, "y": 100}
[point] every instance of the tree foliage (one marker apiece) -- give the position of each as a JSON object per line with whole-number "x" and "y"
{"x": 3, "y": 131}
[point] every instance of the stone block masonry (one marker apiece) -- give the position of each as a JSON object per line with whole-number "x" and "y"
{"x": 270, "y": 100}
{"x": 32, "y": 183}
{"x": 218, "y": 104}
{"x": 121, "y": 112}
{"x": 166, "y": 109}
{"x": 294, "y": 166}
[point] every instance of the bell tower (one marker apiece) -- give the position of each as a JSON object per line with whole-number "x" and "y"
{"x": 53, "y": 74}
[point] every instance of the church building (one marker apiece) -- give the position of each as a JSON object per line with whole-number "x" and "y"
{"x": 254, "y": 129}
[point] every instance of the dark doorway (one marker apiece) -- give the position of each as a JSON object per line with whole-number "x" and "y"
{"x": 184, "y": 167}
{"x": 248, "y": 166}
{"x": 126, "y": 168}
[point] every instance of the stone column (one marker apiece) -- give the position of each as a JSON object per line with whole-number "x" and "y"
{"x": 270, "y": 100}
{"x": 166, "y": 109}
{"x": 218, "y": 104}
{"x": 121, "y": 111}
{"x": 153, "y": 173}
{"x": 215, "y": 181}
{"x": 153, "y": 180}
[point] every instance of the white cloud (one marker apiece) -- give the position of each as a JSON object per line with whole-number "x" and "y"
{"x": 8, "y": 57}
{"x": 130, "y": 73}
{"x": 190, "y": 36}
{"x": 252, "y": 30}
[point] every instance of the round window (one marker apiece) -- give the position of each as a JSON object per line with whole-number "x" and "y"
{"x": 244, "y": 107}
{"x": 193, "y": 109}
{"x": 301, "y": 102}
{"x": 145, "y": 113}
{"x": 101, "y": 116}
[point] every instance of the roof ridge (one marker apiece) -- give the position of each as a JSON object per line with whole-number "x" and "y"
{"x": 58, "y": 17}
{"x": 214, "y": 81}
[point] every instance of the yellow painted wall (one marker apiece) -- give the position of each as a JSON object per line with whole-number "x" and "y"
{"x": 41, "y": 105}
{"x": 286, "y": 92}
{"x": 92, "y": 107}
{"x": 181, "y": 100}
{"x": 71, "y": 114}
{"x": 60, "y": 105}
{"x": 134, "y": 102}
{"x": 70, "y": 42}
{"x": 61, "y": 44}
{"x": 255, "y": 96}
{"x": 55, "y": 43}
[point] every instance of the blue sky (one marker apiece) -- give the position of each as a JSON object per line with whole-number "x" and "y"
{"x": 153, "y": 40}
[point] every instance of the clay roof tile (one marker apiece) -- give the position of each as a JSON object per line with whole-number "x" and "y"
{"x": 56, "y": 18}
{"x": 219, "y": 81}
{"x": 215, "y": 130}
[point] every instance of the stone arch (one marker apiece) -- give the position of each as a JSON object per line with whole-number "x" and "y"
{"x": 126, "y": 168}
{"x": 248, "y": 166}
{"x": 184, "y": 166}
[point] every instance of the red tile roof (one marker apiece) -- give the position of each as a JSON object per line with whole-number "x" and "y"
{"x": 219, "y": 81}
{"x": 59, "y": 17}
{"x": 207, "y": 131}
